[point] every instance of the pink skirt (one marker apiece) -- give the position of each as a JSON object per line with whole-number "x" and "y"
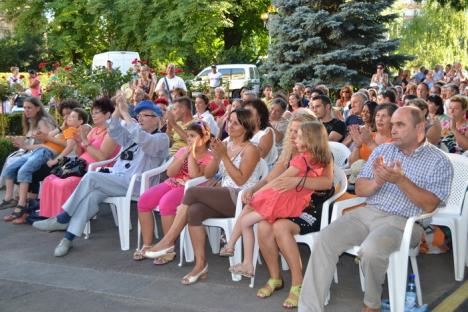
{"x": 54, "y": 193}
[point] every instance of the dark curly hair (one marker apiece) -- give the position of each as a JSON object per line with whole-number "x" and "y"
{"x": 104, "y": 104}
{"x": 262, "y": 112}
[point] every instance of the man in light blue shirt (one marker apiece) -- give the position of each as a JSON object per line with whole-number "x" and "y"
{"x": 401, "y": 179}
{"x": 143, "y": 148}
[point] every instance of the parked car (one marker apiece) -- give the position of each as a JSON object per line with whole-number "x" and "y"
{"x": 120, "y": 59}
{"x": 235, "y": 77}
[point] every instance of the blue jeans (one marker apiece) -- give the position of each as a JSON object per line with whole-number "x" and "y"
{"x": 23, "y": 168}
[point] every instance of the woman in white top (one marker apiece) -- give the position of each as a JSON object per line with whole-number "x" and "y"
{"x": 264, "y": 135}
{"x": 238, "y": 164}
{"x": 203, "y": 113}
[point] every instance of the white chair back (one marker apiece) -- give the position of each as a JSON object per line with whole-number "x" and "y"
{"x": 340, "y": 153}
{"x": 459, "y": 185}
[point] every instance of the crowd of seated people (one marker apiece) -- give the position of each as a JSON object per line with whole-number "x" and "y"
{"x": 224, "y": 140}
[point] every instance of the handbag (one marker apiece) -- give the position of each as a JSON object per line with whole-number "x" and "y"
{"x": 70, "y": 167}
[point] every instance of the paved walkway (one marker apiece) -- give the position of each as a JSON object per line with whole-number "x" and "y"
{"x": 98, "y": 276}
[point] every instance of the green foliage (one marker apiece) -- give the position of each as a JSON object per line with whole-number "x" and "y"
{"x": 13, "y": 124}
{"x": 21, "y": 51}
{"x": 84, "y": 85}
{"x": 458, "y": 5}
{"x": 6, "y": 148}
{"x": 189, "y": 32}
{"x": 335, "y": 42}
{"x": 432, "y": 38}
{"x": 5, "y": 90}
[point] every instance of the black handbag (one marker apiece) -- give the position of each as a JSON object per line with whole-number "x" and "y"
{"x": 70, "y": 167}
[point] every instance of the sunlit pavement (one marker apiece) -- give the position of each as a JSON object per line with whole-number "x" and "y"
{"x": 98, "y": 276}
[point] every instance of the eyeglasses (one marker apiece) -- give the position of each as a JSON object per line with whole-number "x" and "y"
{"x": 146, "y": 115}
{"x": 95, "y": 112}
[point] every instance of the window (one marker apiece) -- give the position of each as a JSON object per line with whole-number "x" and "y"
{"x": 226, "y": 72}
{"x": 237, "y": 73}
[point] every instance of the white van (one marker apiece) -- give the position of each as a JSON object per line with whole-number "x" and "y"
{"x": 237, "y": 76}
{"x": 120, "y": 59}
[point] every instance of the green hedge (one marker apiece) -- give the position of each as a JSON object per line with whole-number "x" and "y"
{"x": 6, "y": 148}
{"x": 13, "y": 124}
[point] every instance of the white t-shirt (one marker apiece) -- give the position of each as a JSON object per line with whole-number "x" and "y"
{"x": 215, "y": 79}
{"x": 210, "y": 121}
{"x": 175, "y": 82}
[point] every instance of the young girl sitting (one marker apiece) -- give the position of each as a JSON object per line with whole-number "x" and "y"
{"x": 77, "y": 118}
{"x": 270, "y": 204}
{"x": 189, "y": 162}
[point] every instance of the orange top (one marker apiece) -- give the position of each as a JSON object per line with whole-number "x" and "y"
{"x": 365, "y": 151}
{"x": 65, "y": 135}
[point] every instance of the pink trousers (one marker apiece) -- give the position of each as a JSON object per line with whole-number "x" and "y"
{"x": 164, "y": 195}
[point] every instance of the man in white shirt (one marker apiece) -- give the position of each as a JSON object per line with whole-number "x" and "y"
{"x": 170, "y": 81}
{"x": 215, "y": 78}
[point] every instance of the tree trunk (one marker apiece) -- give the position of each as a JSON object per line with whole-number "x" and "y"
{"x": 233, "y": 35}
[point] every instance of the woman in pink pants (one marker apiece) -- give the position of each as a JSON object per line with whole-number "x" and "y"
{"x": 189, "y": 162}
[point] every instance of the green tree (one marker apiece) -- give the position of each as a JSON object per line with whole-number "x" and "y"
{"x": 190, "y": 32}
{"x": 437, "y": 35}
{"x": 332, "y": 42}
{"x": 458, "y": 5}
{"x": 20, "y": 50}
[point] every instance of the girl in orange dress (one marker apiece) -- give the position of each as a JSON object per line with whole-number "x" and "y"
{"x": 270, "y": 204}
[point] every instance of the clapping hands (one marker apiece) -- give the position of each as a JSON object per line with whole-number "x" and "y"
{"x": 391, "y": 172}
{"x": 218, "y": 148}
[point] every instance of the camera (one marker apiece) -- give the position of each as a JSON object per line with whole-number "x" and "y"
{"x": 104, "y": 170}
{"x": 127, "y": 155}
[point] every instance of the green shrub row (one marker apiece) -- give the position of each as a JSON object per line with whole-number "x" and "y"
{"x": 6, "y": 148}
{"x": 12, "y": 124}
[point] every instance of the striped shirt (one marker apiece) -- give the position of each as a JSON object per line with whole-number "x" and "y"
{"x": 427, "y": 167}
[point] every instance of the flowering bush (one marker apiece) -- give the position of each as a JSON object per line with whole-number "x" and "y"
{"x": 82, "y": 84}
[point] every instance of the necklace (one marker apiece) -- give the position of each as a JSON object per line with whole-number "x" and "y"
{"x": 98, "y": 133}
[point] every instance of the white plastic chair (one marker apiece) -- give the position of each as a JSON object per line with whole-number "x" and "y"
{"x": 146, "y": 178}
{"x": 341, "y": 184}
{"x": 185, "y": 244}
{"x": 120, "y": 206}
{"x": 145, "y": 185}
{"x": 340, "y": 153}
{"x": 455, "y": 214}
{"x": 398, "y": 262}
{"x": 227, "y": 224}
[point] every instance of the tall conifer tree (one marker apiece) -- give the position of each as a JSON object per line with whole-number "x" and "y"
{"x": 332, "y": 42}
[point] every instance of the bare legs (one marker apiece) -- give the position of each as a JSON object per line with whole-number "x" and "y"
{"x": 284, "y": 231}
{"x": 23, "y": 191}
{"x": 198, "y": 237}
{"x": 180, "y": 221}
{"x": 166, "y": 222}
{"x": 282, "y": 240}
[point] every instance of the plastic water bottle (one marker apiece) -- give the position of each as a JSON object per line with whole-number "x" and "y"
{"x": 410, "y": 302}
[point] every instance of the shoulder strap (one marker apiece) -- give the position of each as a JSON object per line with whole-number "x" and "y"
{"x": 167, "y": 89}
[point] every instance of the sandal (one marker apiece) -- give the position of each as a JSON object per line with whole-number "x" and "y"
{"x": 293, "y": 298}
{"x": 15, "y": 214}
{"x": 8, "y": 204}
{"x": 139, "y": 254}
{"x": 169, "y": 257}
{"x": 272, "y": 285}
{"x": 226, "y": 251}
{"x": 241, "y": 269}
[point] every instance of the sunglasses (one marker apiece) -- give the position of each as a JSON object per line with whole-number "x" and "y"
{"x": 379, "y": 67}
